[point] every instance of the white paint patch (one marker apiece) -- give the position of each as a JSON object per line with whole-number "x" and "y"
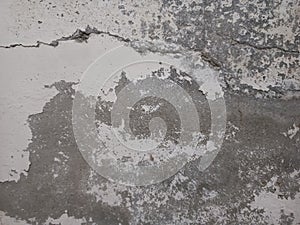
{"x": 256, "y": 83}
{"x": 150, "y": 108}
{"x": 208, "y": 195}
{"x": 292, "y": 132}
{"x": 273, "y": 205}
{"x": 25, "y": 71}
{"x": 7, "y": 220}
{"x": 178, "y": 195}
{"x": 235, "y": 17}
{"x": 56, "y": 159}
{"x": 106, "y": 195}
{"x": 232, "y": 131}
{"x": 209, "y": 78}
{"x": 66, "y": 220}
{"x": 20, "y": 19}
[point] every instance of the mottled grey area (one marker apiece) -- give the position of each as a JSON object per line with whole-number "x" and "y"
{"x": 242, "y": 37}
{"x": 257, "y": 153}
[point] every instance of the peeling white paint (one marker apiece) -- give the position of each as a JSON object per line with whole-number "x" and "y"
{"x": 106, "y": 195}
{"x": 25, "y": 71}
{"x": 62, "y": 18}
{"x": 7, "y": 220}
{"x": 273, "y": 205}
{"x": 65, "y": 219}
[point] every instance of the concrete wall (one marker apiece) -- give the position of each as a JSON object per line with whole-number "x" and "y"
{"x": 244, "y": 54}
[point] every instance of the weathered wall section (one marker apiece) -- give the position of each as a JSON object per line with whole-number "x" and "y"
{"x": 45, "y": 47}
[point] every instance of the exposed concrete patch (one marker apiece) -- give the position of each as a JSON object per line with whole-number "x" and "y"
{"x": 224, "y": 189}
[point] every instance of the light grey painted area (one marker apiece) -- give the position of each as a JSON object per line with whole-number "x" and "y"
{"x": 252, "y": 47}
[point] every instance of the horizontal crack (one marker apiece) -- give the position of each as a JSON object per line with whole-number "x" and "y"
{"x": 234, "y": 42}
{"x": 78, "y": 35}
{"x": 83, "y": 35}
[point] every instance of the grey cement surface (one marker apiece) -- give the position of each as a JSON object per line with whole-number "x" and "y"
{"x": 47, "y": 45}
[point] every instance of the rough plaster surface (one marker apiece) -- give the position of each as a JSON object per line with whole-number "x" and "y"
{"x": 46, "y": 46}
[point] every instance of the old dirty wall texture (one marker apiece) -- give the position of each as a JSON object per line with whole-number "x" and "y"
{"x": 236, "y": 77}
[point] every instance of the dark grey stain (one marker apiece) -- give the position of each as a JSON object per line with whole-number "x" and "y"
{"x": 39, "y": 195}
{"x": 247, "y": 161}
